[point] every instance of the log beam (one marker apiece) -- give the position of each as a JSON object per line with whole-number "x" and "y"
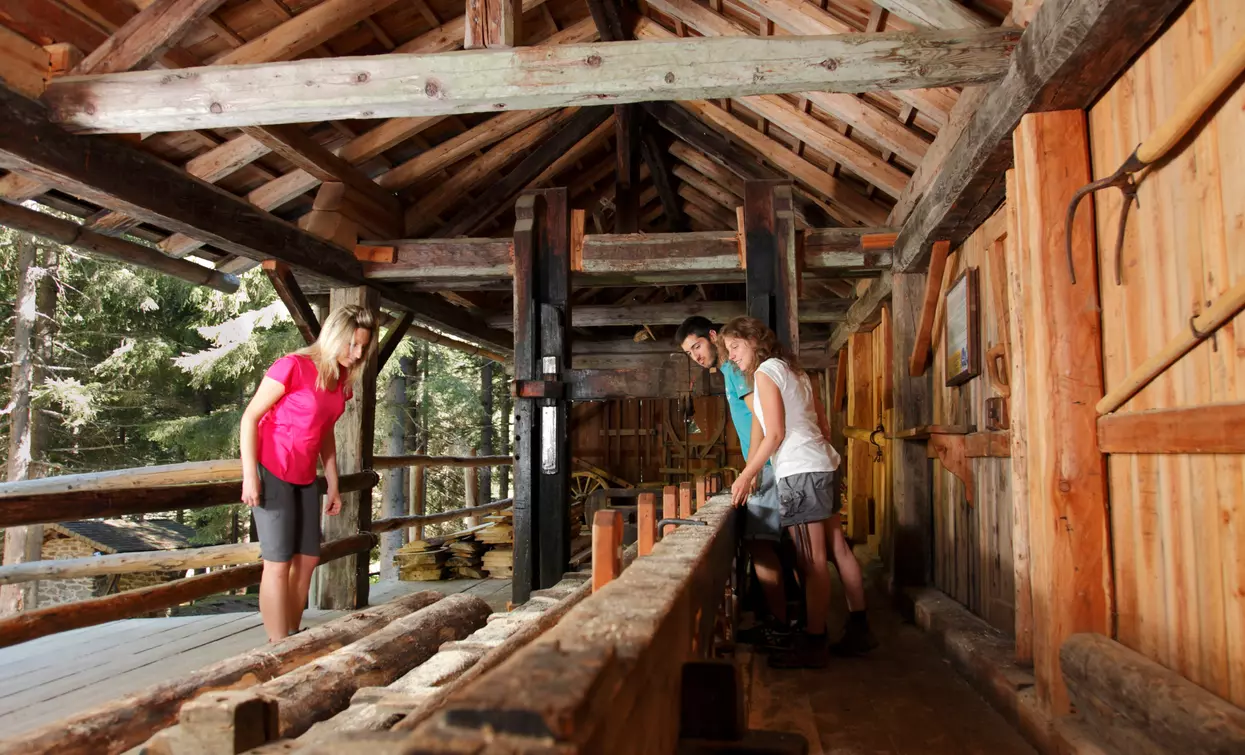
{"x": 1210, "y": 429}
{"x": 867, "y": 310}
{"x": 288, "y": 290}
{"x": 71, "y": 234}
{"x": 608, "y": 315}
{"x": 492, "y": 24}
{"x": 387, "y": 86}
{"x": 125, "y": 723}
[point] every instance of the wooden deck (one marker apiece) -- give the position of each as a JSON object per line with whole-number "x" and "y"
{"x": 53, "y": 677}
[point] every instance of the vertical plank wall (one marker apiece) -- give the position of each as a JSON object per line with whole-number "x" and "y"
{"x": 1178, "y": 521}
{"x": 973, "y": 544}
{"x": 870, "y": 394}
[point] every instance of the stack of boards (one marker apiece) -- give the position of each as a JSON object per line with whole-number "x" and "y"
{"x": 486, "y": 550}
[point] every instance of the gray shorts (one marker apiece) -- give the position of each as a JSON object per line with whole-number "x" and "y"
{"x": 806, "y": 498}
{"x": 287, "y": 518}
{"x": 761, "y": 520}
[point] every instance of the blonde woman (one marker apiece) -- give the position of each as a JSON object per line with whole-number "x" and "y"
{"x": 804, "y": 465}
{"x": 286, "y": 427}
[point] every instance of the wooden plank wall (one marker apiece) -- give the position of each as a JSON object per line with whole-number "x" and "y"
{"x": 640, "y": 439}
{"x": 973, "y": 544}
{"x": 870, "y": 399}
{"x": 1178, "y": 521}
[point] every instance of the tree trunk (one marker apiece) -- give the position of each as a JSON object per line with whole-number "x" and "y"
{"x": 410, "y": 371}
{"x": 394, "y": 479}
{"x": 419, "y": 481}
{"x": 34, "y": 317}
{"x": 486, "y": 429}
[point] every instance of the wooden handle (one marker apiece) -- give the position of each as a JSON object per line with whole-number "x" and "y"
{"x": 998, "y": 369}
{"x": 1194, "y": 105}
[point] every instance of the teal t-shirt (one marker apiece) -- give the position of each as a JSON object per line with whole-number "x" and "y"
{"x": 736, "y": 388}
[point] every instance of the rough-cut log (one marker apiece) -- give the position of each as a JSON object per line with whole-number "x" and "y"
{"x": 416, "y": 696}
{"x": 19, "y": 507}
{"x": 323, "y": 687}
{"x": 125, "y": 479}
{"x": 127, "y": 563}
{"x": 288, "y": 290}
{"x": 71, "y": 234}
{"x": 387, "y": 86}
{"x": 420, "y": 460}
{"x": 1065, "y": 58}
{"x": 1137, "y": 705}
{"x": 61, "y": 618}
{"x": 103, "y": 170}
{"x": 431, "y": 336}
{"x": 588, "y": 684}
{"x": 127, "y": 722}
{"x": 413, "y": 520}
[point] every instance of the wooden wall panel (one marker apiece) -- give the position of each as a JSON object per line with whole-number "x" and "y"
{"x": 861, "y": 412}
{"x": 973, "y": 560}
{"x": 1178, "y": 522}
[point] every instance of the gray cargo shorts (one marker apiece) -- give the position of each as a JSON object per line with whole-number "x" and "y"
{"x": 808, "y": 497}
{"x": 287, "y": 518}
{"x": 761, "y": 519}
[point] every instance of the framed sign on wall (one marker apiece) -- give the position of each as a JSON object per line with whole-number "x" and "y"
{"x": 963, "y": 334}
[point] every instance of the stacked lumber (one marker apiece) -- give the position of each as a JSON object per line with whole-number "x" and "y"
{"x": 417, "y": 562}
{"x": 499, "y": 563}
{"x": 501, "y": 531}
{"x": 466, "y": 559}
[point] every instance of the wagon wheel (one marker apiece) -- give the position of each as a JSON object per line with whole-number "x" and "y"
{"x": 584, "y": 484}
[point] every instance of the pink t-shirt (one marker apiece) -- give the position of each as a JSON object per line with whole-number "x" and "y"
{"x": 290, "y": 432}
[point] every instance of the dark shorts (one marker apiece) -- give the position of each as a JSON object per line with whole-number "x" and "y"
{"x": 761, "y": 520}
{"x": 287, "y": 518}
{"x": 807, "y": 498}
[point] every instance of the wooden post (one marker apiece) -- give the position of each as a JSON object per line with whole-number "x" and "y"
{"x": 486, "y": 428}
{"x": 685, "y": 500}
{"x": 910, "y": 546}
{"x": 771, "y": 259}
{"x": 669, "y": 506}
{"x": 1070, "y": 565}
{"x": 344, "y": 583}
{"x": 471, "y": 487}
{"x": 606, "y": 559}
{"x": 701, "y": 493}
{"x": 860, "y": 452}
{"x": 627, "y": 189}
{"x": 492, "y": 23}
{"x": 646, "y": 522}
{"x": 542, "y": 313}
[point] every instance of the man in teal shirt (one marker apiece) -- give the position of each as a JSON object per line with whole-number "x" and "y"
{"x": 697, "y": 337}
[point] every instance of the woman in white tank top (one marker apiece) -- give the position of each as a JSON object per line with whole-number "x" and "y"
{"x": 804, "y": 464}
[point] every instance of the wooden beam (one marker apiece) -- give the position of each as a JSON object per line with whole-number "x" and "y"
{"x": 71, "y": 234}
{"x": 387, "y": 86}
{"x": 919, "y": 358}
{"x": 492, "y": 24}
{"x": 146, "y": 36}
{"x": 24, "y": 65}
{"x": 104, "y": 172}
{"x": 392, "y": 339}
{"x": 296, "y": 303}
{"x": 666, "y": 381}
{"x": 607, "y": 315}
{"x": 599, "y": 137}
{"x": 1211, "y": 429}
{"x": 660, "y": 171}
{"x": 911, "y": 545}
{"x": 626, "y": 169}
{"x": 1068, "y": 521}
{"x": 864, "y": 311}
{"x": 422, "y": 216}
{"x": 380, "y": 211}
{"x": 771, "y": 259}
{"x": 855, "y": 112}
{"x": 303, "y": 32}
{"x": 849, "y": 206}
{"x": 504, "y": 191}
{"x": 1065, "y": 58}
{"x": 935, "y": 14}
{"x": 130, "y": 563}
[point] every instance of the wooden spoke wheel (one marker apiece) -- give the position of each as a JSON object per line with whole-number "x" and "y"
{"x": 583, "y": 484}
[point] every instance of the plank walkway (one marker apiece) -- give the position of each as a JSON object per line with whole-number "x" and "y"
{"x": 50, "y": 678}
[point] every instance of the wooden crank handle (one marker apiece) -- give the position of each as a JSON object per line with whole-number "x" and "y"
{"x": 1194, "y": 106}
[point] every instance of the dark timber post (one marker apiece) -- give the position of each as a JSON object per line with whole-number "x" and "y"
{"x": 911, "y": 547}
{"x": 542, "y": 274}
{"x": 627, "y": 179}
{"x": 770, "y": 246}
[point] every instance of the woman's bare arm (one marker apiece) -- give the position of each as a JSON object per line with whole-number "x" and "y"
{"x": 269, "y": 392}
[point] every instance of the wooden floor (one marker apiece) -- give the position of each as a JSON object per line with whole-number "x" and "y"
{"x": 53, "y": 677}
{"x": 903, "y": 699}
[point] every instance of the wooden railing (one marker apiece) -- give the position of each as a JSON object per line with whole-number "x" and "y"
{"x": 172, "y": 487}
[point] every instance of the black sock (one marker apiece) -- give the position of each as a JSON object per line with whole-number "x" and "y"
{"x": 858, "y": 618}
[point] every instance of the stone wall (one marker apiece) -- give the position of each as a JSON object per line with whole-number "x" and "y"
{"x": 56, "y": 591}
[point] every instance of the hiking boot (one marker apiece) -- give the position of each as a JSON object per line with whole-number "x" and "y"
{"x": 857, "y": 640}
{"x": 807, "y": 651}
{"x": 771, "y": 635}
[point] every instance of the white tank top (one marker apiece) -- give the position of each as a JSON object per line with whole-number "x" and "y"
{"x": 803, "y": 448}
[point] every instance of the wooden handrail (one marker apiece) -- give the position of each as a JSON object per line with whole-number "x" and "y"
{"x": 129, "y": 563}
{"x": 220, "y": 470}
{"x": 44, "y": 621}
{"x": 412, "y": 520}
{"x": 89, "y": 503}
{"x": 419, "y": 460}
